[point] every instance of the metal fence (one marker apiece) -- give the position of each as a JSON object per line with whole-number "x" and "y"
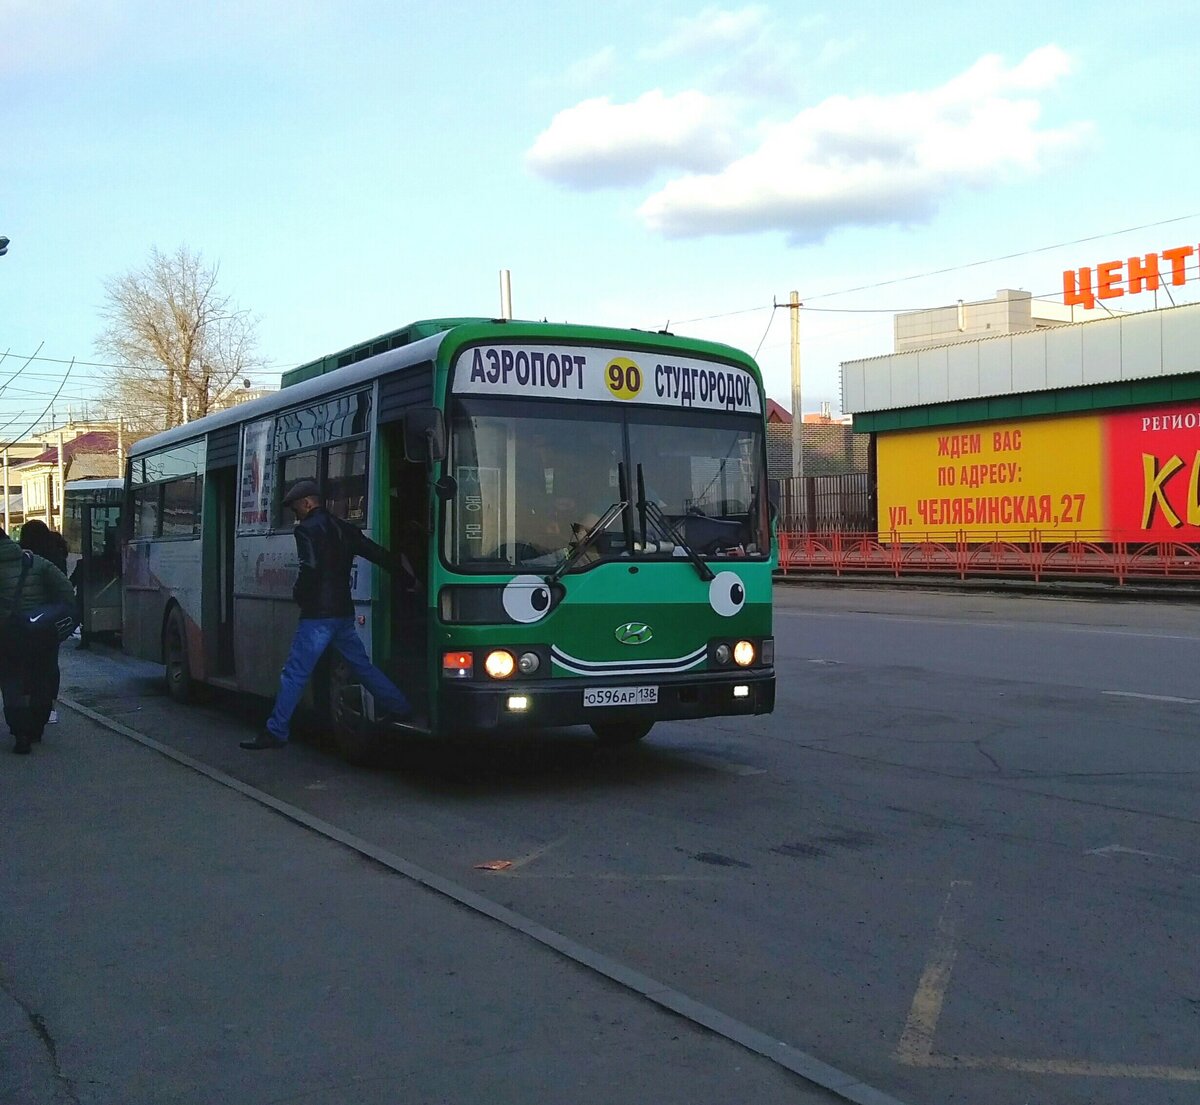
{"x": 826, "y": 504}
{"x": 1123, "y": 557}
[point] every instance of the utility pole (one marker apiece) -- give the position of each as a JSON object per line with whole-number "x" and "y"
{"x": 505, "y": 294}
{"x": 7, "y": 516}
{"x": 797, "y": 411}
{"x": 62, "y": 488}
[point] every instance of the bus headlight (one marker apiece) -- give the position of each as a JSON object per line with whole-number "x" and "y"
{"x": 499, "y": 664}
{"x": 722, "y": 654}
{"x": 529, "y": 663}
{"x": 743, "y": 654}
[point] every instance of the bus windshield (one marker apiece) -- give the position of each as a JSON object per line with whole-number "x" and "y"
{"x": 532, "y": 480}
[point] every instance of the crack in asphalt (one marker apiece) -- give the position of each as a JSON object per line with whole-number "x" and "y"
{"x": 42, "y": 1031}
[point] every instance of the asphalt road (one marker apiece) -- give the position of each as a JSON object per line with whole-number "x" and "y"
{"x": 960, "y": 861}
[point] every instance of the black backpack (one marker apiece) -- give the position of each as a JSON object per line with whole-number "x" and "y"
{"x": 30, "y": 630}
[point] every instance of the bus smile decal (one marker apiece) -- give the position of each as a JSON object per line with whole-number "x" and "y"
{"x": 634, "y": 633}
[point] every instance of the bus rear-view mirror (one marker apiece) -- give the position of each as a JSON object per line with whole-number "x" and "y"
{"x": 424, "y": 435}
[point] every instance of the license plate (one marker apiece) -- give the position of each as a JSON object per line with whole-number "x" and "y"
{"x": 620, "y": 696}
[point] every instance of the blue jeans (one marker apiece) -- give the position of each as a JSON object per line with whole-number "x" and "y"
{"x": 313, "y": 637}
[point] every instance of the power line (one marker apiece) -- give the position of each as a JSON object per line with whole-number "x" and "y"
{"x": 1005, "y": 257}
{"x": 66, "y": 377}
{"x": 102, "y": 364}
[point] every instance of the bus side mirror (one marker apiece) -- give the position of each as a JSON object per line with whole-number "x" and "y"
{"x": 424, "y": 435}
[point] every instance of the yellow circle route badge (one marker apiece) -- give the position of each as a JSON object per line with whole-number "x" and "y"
{"x": 623, "y": 377}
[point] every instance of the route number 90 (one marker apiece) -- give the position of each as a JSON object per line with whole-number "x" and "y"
{"x": 623, "y": 377}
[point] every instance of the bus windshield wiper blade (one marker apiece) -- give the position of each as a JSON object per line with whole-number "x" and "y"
{"x": 652, "y": 511}
{"x": 585, "y": 542}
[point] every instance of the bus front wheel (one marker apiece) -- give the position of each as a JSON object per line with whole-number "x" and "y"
{"x": 351, "y": 732}
{"x": 622, "y": 732}
{"x": 175, "y": 658}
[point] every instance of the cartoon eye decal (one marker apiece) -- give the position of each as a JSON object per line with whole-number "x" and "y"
{"x": 726, "y": 594}
{"x": 526, "y": 598}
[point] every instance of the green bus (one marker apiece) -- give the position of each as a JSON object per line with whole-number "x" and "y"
{"x": 585, "y": 509}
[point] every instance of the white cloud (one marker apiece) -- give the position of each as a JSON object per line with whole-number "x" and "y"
{"x": 593, "y": 68}
{"x": 872, "y": 160}
{"x": 713, "y": 28}
{"x": 598, "y": 144}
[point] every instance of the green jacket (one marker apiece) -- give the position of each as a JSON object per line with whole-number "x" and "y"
{"x": 43, "y": 585}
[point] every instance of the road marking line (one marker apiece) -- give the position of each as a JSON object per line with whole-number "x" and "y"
{"x": 1153, "y": 697}
{"x": 537, "y": 853}
{"x": 1121, "y": 850}
{"x": 715, "y": 763}
{"x": 916, "y": 1042}
{"x": 1078, "y": 1068}
{"x": 809, "y": 1067}
{"x": 915, "y": 1048}
{"x": 613, "y": 876}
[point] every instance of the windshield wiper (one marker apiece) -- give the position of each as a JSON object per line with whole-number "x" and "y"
{"x": 649, "y": 509}
{"x": 585, "y": 542}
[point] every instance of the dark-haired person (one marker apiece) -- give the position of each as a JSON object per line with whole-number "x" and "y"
{"x": 27, "y": 675}
{"x": 42, "y": 541}
{"x": 50, "y": 545}
{"x": 326, "y": 547}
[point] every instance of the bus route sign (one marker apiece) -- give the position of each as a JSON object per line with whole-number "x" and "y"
{"x": 586, "y": 372}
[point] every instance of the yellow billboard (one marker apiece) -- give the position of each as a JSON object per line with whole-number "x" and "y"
{"x": 995, "y": 479}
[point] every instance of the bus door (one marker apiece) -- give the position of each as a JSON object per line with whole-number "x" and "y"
{"x": 408, "y": 527}
{"x": 97, "y": 576}
{"x": 221, "y": 493}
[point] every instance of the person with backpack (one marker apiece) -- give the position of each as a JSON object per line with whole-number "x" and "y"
{"x": 327, "y": 546}
{"x": 37, "y": 603}
{"x": 39, "y": 539}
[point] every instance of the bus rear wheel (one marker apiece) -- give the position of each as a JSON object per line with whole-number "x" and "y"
{"x": 180, "y": 685}
{"x": 617, "y": 733}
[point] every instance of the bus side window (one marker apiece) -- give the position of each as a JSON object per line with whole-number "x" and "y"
{"x": 298, "y": 466}
{"x": 345, "y": 483}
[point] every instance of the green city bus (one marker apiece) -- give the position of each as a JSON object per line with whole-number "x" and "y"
{"x": 585, "y": 510}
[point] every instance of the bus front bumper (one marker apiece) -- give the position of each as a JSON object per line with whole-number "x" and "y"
{"x": 536, "y": 704}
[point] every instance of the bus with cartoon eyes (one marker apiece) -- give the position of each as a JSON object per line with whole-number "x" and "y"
{"x": 585, "y": 510}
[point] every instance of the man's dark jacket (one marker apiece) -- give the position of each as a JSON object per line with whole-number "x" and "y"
{"x": 327, "y": 547}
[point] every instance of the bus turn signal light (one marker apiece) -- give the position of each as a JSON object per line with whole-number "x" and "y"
{"x": 458, "y": 665}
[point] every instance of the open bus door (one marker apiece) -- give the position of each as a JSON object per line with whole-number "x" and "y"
{"x": 406, "y": 657}
{"x": 97, "y": 577}
{"x": 409, "y": 514}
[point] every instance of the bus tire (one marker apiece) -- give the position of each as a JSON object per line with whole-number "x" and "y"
{"x": 355, "y": 741}
{"x": 618, "y": 733}
{"x": 177, "y": 668}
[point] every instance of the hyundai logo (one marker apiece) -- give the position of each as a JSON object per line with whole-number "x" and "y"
{"x": 634, "y": 633}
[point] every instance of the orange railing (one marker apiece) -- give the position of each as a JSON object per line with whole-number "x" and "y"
{"x": 1125, "y": 557}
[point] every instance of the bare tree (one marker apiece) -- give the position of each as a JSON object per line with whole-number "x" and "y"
{"x": 180, "y": 344}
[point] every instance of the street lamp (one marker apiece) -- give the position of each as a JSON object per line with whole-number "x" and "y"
{"x": 3, "y": 245}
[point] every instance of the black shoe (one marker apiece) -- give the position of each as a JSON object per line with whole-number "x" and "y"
{"x": 263, "y": 740}
{"x": 22, "y": 747}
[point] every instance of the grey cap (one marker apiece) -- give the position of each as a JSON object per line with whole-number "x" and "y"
{"x": 301, "y": 489}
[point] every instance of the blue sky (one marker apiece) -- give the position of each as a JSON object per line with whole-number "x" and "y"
{"x": 355, "y": 166}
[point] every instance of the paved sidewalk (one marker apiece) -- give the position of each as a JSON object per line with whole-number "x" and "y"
{"x": 166, "y": 939}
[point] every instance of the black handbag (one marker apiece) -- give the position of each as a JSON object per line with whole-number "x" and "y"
{"x": 41, "y": 627}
